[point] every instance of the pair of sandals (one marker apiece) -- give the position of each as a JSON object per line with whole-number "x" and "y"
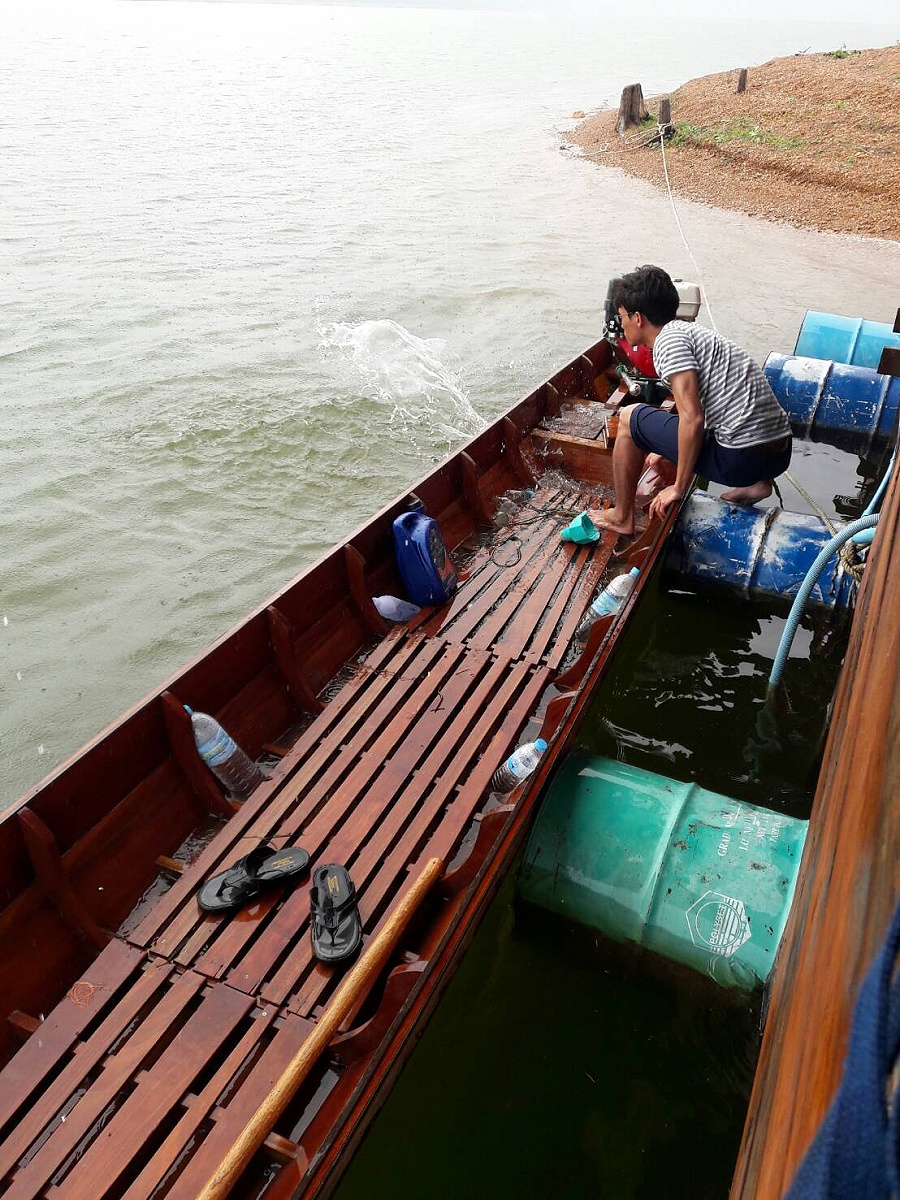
{"x": 335, "y": 924}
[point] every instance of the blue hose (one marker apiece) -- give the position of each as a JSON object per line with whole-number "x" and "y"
{"x": 812, "y": 575}
{"x": 876, "y": 499}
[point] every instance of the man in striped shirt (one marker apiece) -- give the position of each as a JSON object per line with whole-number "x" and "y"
{"x": 727, "y": 423}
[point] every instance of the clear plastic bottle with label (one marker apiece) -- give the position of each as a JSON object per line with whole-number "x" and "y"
{"x": 610, "y": 600}
{"x": 520, "y": 764}
{"x": 224, "y": 757}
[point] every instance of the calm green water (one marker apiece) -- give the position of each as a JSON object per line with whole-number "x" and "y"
{"x": 560, "y": 1065}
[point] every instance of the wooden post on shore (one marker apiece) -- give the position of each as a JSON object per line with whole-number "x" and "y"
{"x": 632, "y": 109}
{"x": 742, "y": 80}
{"x": 665, "y": 112}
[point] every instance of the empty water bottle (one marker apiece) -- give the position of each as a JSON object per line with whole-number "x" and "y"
{"x": 610, "y": 600}
{"x": 518, "y": 766}
{"x": 224, "y": 757}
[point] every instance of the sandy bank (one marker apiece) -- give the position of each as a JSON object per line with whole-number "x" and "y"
{"x": 814, "y": 141}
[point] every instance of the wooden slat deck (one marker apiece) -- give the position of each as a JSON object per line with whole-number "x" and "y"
{"x": 374, "y": 798}
{"x": 144, "y": 1075}
{"x": 124, "y": 1085}
{"x": 525, "y": 593}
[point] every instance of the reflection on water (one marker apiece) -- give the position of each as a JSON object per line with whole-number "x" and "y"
{"x": 687, "y": 698}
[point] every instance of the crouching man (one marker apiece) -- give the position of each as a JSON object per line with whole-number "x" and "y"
{"x": 727, "y": 423}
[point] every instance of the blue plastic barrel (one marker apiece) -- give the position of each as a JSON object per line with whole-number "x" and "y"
{"x": 759, "y": 554}
{"x": 694, "y": 876}
{"x": 853, "y": 408}
{"x": 844, "y": 339}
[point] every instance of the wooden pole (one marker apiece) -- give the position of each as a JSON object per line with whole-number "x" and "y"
{"x": 632, "y": 109}
{"x": 742, "y": 80}
{"x": 348, "y": 995}
{"x": 665, "y": 111}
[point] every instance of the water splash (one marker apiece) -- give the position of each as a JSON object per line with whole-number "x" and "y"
{"x": 394, "y": 367}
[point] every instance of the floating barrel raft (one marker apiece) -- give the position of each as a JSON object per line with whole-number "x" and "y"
{"x": 850, "y": 340}
{"x": 761, "y": 554}
{"x": 699, "y": 878}
{"x": 854, "y": 408}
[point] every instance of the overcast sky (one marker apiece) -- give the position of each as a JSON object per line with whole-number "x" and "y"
{"x": 859, "y": 12}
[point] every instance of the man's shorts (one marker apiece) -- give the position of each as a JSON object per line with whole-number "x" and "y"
{"x": 657, "y": 432}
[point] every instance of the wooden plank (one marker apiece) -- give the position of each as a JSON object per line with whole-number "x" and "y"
{"x": 587, "y": 460}
{"x": 846, "y": 890}
{"x": 159, "y": 1092}
{"x": 516, "y": 699}
{"x": 301, "y": 754}
{"x": 189, "y": 930}
{"x": 356, "y": 778}
{"x": 87, "y": 1115}
{"x": 282, "y": 637}
{"x": 269, "y": 1050}
{"x": 27, "y": 1072}
{"x": 401, "y": 812}
{"x": 72, "y": 1068}
{"x": 512, "y": 449}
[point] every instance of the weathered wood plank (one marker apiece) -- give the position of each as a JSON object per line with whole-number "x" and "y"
{"x": 87, "y": 1115}
{"x": 34, "y": 1065}
{"x": 847, "y": 886}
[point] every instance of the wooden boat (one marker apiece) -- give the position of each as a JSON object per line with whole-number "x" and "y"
{"x": 140, "y": 1035}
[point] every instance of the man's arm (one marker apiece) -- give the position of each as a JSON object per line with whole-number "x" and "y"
{"x": 686, "y": 394}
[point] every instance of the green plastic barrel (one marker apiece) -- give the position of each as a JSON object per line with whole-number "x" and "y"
{"x": 692, "y": 875}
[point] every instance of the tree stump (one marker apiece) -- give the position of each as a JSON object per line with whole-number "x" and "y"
{"x": 742, "y": 80}
{"x": 632, "y": 109}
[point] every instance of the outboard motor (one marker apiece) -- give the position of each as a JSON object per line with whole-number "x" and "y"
{"x": 635, "y": 368}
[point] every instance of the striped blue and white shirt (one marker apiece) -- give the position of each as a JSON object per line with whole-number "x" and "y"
{"x": 738, "y": 405}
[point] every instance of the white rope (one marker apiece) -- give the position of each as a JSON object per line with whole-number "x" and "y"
{"x": 662, "y": 146}
{"x": 805, "y": 494}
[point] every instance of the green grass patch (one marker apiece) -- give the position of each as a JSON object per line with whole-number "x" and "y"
{"x": 725, "y": 132}
{"x": 843, "y": 52}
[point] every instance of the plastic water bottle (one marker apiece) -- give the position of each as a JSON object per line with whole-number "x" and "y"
{"x": 610, "y": 600}
{"x": 518, "y": 766}
{"x": 223, "y": 755}
{"x": 392, "y": 608}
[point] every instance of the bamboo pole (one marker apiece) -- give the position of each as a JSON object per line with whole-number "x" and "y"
{"x": 348, "y": 995}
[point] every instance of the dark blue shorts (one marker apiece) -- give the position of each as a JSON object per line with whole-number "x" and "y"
{"x": 657, "y": 432}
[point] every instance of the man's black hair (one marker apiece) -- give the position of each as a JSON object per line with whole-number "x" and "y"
{"x": 648, "y": 290}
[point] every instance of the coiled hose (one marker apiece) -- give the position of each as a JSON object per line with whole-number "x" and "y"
{"x": 812, "y": 576}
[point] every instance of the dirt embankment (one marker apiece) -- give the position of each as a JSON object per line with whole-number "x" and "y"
{"x": 814, "y": 140}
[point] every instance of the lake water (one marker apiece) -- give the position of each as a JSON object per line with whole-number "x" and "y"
{"x": 262, "y": 265}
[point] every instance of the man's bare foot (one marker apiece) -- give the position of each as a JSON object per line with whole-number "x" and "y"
{"x": 609, "y": 518}
{"x": 748, "y": 496}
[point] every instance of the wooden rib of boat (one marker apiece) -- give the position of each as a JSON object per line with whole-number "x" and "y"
{"x": 140, "y": 1034}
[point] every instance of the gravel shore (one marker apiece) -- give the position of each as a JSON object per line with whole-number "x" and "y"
{"x": 814, "y": 140}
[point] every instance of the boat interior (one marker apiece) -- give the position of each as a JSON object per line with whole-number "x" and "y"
{"x": 141, "y": 1033}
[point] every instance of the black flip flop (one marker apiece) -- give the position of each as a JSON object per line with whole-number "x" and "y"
{"x": 261, "y": 868}
{"x": 335, "y": 923}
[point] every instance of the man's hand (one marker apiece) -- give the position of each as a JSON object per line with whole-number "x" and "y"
{"x": 661, "y": 503}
